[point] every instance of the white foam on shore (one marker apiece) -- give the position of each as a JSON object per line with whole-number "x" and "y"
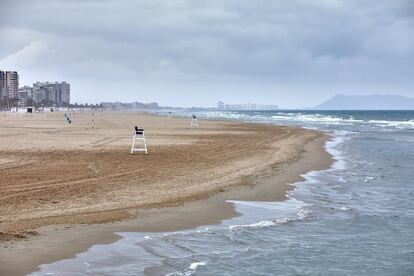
{"x": 396, "y": 124}
{"x": 194, "y": 266}
{"x": 280, "y": 213}
{"x": 190, "y": 271}
{"x": 315, "y": 118}
{"x": 368, "y": 178}
{"x": 259, "y": 224}
{"x": 331, "y": 146}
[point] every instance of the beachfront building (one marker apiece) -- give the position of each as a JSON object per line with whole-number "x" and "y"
{"x": 248, "y": 106}
{"x": 2, "y": 85}
{"x": 51, "y": 93}
{"x": 25, "y": 95}
{"x": 9, "y": 84}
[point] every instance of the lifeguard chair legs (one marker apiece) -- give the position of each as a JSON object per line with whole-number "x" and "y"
{"x": 139, "y": 139}
{"x": 194, "y": 121}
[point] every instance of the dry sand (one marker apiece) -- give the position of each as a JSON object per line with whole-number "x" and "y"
{"x": 55, "y": 178}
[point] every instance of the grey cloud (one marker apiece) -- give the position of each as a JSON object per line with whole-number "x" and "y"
{"x": 289, "y": 42}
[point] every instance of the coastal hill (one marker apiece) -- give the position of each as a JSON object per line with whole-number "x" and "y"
{"x": 370, "y": 102}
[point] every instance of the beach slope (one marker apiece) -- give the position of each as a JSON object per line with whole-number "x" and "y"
{"x": 53, "y": 175}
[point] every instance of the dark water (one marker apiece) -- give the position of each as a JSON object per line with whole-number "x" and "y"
{"x": 357, "y": 218}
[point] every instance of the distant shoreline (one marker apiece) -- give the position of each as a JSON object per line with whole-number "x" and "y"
{"x": 195, "y": 172}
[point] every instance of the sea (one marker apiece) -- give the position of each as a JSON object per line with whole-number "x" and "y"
{"x": 355, "y": 218}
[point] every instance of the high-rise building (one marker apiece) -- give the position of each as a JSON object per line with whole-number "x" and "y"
{"x": 2, "y": 85}
{"x": 51, "y": 93}
{"x": 12, "y": 84}
{"x": 25, "y": 93}
{"x": 65, "y": 92}
{"x": 9, "y": 84}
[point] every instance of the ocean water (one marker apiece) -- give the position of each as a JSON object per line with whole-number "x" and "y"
{"x": 355, "y": 218}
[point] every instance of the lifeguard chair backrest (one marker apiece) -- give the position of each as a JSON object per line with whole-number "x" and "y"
{"x": 194, "y": 117}
{"x": 139, "y": 130}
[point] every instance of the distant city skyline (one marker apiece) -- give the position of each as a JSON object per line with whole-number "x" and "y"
{"x": 44, "y": 93}
{"x": 246, "y": 106}
{"x": 293, "y": 54}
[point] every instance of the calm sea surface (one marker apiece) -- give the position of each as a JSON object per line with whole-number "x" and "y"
{"x": 356, "y": 218}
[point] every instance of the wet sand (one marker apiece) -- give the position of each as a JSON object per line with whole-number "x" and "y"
{"x": 64, "y": 188}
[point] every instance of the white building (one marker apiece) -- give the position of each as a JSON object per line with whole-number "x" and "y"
{"x": 248, "y": 106}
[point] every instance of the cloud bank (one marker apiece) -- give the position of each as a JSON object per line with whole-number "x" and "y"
{"x": 186, "y": 52}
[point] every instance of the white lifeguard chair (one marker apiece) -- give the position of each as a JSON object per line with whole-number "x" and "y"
{"x": 139, "y": 135}
{"x": 194, "y": 121}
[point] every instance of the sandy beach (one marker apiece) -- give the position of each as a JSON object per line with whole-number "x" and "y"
{"x": 66, "y": 187}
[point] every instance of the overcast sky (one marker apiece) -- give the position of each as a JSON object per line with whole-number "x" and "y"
{"x": 194, "y": 53}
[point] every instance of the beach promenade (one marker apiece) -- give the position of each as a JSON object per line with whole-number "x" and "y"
{"x": 70, "y": 186}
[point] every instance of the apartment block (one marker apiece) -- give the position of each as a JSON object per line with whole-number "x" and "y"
{"x": 9, "y": 84}
{"x": 25, "y": 93}
{"x": 2, "y": 85}
{"x": 51, "y": 92}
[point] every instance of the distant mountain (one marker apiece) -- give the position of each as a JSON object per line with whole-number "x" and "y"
{"x": 370, "y": 102}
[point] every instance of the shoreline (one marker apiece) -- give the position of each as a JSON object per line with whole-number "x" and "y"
{"x": 64, "y": 241}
